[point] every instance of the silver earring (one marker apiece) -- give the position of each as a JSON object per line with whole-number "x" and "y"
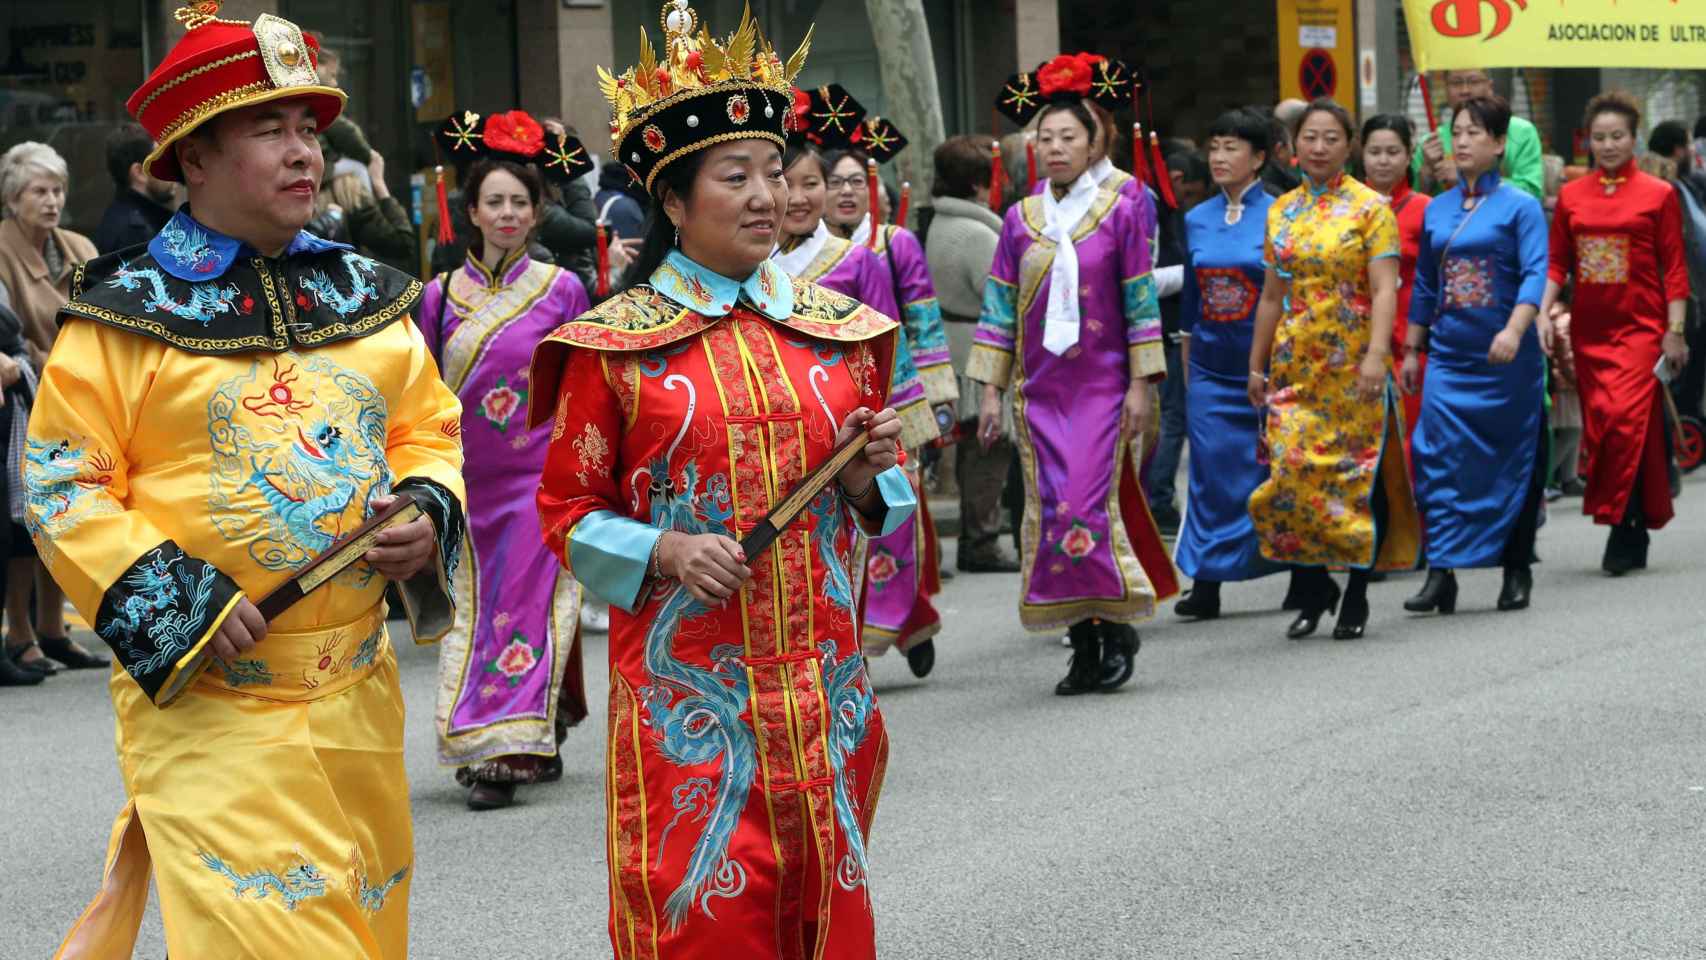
{"x": 678, "y": 237}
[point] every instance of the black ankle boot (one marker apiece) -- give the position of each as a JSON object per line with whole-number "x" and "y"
{"x": 1623, "y": 551}
{"x": 1439, "y": 593}
{"x": 1519, "y": 584}
{"x": 1085, "y": 673}
{"x": 1119, "y": 655}
{"x": 1202, "y": 603}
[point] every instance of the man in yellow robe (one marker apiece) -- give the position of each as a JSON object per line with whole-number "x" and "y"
{"x": 221, "y": 406}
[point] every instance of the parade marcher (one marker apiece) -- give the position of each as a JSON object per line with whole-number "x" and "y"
{"x": 1338, "y": 492}
{"x": 1069, "y": 262}
{"x": 1523, "y": 166}
{"x": 902, "y": 571}
{"x": 1480, "y": 451}
{"x": 1617, "y": 234}
{"x": 141, "y": 204}
{"x": 218, "y": 410}
{"x": 38, "y": 259}
{"x": 1386, "y": 145}
{"x": 960, "y": 247}
{"x": 1223, "y": 283}
{"x": 746, "y": 750}
{"x": 510, "y": 679}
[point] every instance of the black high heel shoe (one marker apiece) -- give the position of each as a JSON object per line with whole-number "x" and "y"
{"x": 1354, "y": 620}
{"x": 61, "y": 649}
{"x": 1439, "y": 593}
{"x": 1519, "y": 585}
{"x": 1312, "y": 609}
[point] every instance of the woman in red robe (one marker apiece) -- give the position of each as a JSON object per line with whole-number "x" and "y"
{"x": 1618, "y": 233}
{"x": 745, "y": 750}
{"x": 1386, "y": 149}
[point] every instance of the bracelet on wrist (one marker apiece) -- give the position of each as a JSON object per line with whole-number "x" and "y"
{"x": 1258, "y": 373}
{"x": 856, "y": 497}
{"x": 654, "y": 567}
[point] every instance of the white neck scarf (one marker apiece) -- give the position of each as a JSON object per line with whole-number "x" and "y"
{"x": 862, "y": 232}
{"x": 1101, "y": 170}
{"x": 795, "y": 261}
{"x": 1060, "y": 323}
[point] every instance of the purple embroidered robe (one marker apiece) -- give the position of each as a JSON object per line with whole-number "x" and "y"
{"x": 503, "y": 668}
{"x": 900, "y": 569}
{"x": 1090, "y": 547}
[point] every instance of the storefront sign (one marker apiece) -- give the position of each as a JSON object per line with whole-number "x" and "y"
{"x": 1447, "y": 34}
{"x": 1317, "y": 50}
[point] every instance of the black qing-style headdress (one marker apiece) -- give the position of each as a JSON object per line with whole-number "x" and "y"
{"x": 466, "y": 137}
{"x": 701, "y": 93}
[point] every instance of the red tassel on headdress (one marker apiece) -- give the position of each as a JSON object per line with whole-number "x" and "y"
{"x": 1139, "y": 168}
{"x": 1163, "y": 179}
{"x": 1030, "y": 165}
{"x": 905, "y": 201}
{"x": 602, "y": 284}
{"x": 996, "y": 188}
{"x": 446, "y": 229}
{"x": 872, "y": 184}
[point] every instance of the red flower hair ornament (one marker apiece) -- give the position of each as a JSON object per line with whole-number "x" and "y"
{"x": 1066, "y": 73}
{"x": 515, "y": 133}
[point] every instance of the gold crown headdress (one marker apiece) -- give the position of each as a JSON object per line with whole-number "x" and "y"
{"x": 701, "y": 92}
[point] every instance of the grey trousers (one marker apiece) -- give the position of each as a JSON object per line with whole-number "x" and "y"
{"x": 982, "y": 474}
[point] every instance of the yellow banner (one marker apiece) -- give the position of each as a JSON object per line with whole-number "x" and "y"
{"x": 1661, "y": 34}
{"x": 1317, "y": 50}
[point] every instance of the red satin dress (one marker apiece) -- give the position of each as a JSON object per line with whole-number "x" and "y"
{"x": 1619, "y": 235}
{"x": 1408, "y": 206}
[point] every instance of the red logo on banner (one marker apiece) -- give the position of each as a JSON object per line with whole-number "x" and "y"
{"x": 1317, "y": 76}
{"x": 1462, "y": 18}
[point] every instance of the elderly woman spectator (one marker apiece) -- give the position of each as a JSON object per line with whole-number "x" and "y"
{"x": 37, "y": 257}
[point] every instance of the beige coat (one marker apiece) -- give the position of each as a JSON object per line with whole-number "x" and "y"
{"x": 37, "y": 297}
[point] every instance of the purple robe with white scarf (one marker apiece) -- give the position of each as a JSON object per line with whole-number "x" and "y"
{"x": 1090, "y": 547}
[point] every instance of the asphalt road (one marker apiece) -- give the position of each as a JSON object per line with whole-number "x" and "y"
{"x": 1482, "y": 786}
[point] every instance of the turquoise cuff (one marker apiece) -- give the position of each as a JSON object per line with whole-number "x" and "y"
{"x": 898, "y": 497}
{"x": 609, "y": 555}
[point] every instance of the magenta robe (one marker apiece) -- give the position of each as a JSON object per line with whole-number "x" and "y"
{"x": 504, "y": 669}
{"x": 1089, "y": 545}
{"x": 901, "y": 569}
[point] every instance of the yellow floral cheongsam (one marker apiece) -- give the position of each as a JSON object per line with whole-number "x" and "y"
{"x": 1327, "y": 445}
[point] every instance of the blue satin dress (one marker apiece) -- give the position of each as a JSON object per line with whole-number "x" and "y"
{"x": 1478, "y": 443}
{"x": 1223, "y": 284}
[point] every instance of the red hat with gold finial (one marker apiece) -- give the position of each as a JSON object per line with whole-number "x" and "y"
{"x": 222, "y": 65}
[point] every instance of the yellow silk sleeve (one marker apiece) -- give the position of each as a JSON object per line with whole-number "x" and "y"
{"x": 152, "y": 603}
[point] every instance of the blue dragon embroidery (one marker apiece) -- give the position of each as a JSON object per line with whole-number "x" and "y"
{"x": 208, "y": 299}
{"x": 308, "y": 442}
{"x": 837, "y": 585}
{"x": 61, "y": 486}
{"x": 363, "y": 287}
{"x": 165, "y": 603}
{"x": 369, "y": 649}
{"x": 850, "y": 706}
{"x": 696, "y": 712}
{"x": 372, "y": 899}
{"x": 298, "y": 883}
